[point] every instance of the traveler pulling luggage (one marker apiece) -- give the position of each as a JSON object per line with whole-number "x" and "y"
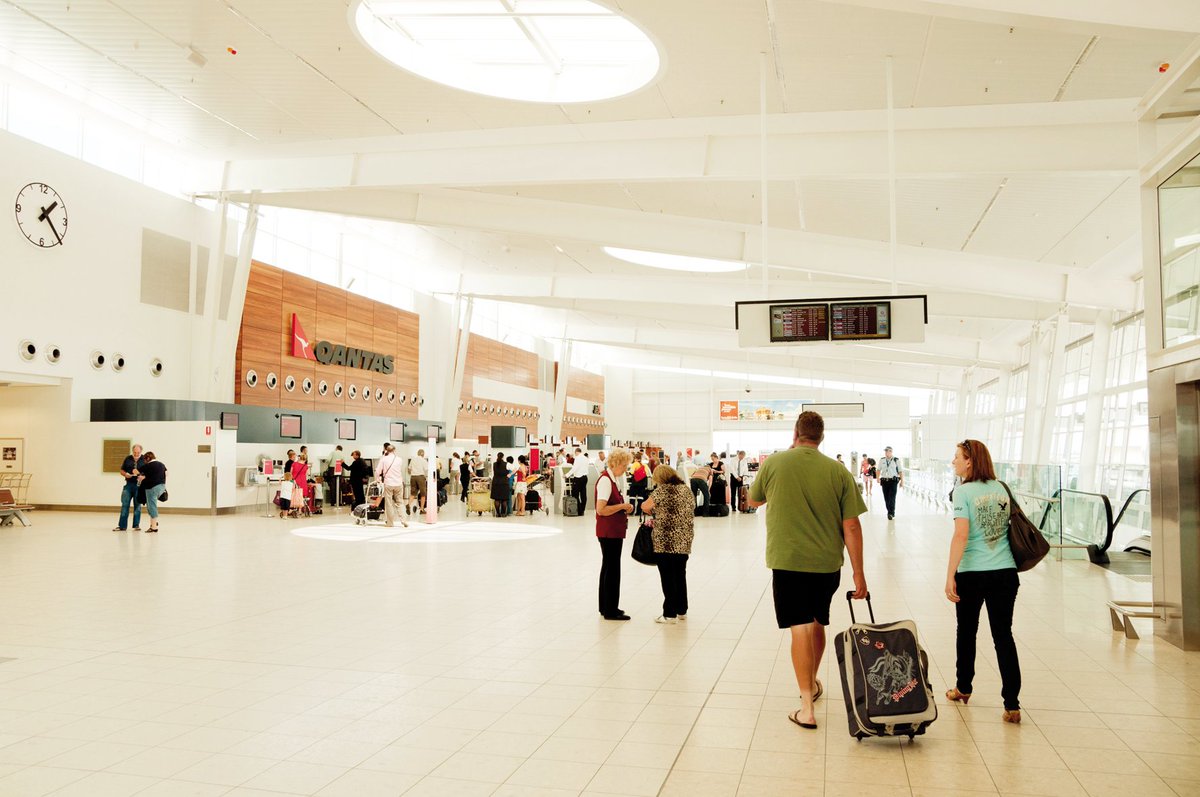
{"x": 885, "y": 677}
{"x": 373, "y": 508}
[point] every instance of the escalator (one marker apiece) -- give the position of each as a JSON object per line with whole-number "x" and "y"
{"x": 1087, "y": 520}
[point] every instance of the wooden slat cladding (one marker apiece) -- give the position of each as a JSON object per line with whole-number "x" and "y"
{"x": 589, "y": 387}
{"x": 491, "y": 359}
{"x": 471, "y": 423}
{"x": 325, "y": 313}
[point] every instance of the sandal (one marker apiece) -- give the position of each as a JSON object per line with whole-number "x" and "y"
{"x": 820, "y": 690}
{"x": 1012, "y": 716}
{"x": 955, "y": 696}
{"x": 795, "y": 717}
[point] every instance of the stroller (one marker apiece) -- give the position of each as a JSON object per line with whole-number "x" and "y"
{"x": 373, "y": 508}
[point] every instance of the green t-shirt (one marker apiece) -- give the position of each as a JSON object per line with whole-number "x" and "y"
{"x": 985, "y": 506}
{"x": 808, "y": 496}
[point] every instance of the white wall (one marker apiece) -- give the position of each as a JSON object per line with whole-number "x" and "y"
{"x": 65, "y": 456}
{"x": 84, "y": 295}
{"x": 680, "y": 411}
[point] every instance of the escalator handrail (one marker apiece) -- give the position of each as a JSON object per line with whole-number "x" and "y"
{"x": 1125, "y": 506}
{"x": 1108, "y": 513}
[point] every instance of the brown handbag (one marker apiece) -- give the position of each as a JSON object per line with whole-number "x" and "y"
{"x": 1029, "y": 546}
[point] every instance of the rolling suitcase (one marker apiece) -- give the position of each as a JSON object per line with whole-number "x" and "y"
{"x": 570, "y": 507}
{"x": 533, "y": 501}
{"x": 885, "y": 677}
{"x": 744, "y": 501}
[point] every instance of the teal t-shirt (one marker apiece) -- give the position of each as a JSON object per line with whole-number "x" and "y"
{"x": 808, "y": 496}
{"x": 985, "y": 506}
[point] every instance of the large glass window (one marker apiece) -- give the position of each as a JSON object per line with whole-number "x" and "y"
{"x": 1179, "y": 244}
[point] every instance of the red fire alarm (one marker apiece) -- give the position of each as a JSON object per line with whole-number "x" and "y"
{"x": 231, "y": 51}
{"x": 1163, "y": 67}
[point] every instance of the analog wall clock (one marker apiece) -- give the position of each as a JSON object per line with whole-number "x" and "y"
{"x": 41, "y": 215}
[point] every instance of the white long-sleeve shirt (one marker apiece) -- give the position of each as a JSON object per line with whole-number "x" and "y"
{"x": 390, "y": 471}
{"x": 739, "y": 468}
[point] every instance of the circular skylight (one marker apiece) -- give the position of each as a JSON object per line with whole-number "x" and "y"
{"x": 555, "y": 51}
{"x": 675, "y": 262}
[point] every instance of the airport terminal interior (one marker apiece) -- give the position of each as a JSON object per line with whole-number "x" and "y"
{"x": 269, "y": 242}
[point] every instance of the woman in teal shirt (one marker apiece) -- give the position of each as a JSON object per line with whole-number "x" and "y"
{"x": 982, "y": 571}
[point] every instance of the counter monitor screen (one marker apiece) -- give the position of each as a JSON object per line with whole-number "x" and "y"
{"x": 229, "y": 421}
{"x": 799, "y": 323}
{"x": 860, "y": 321}
{"x": 347, "y": 429}
{"x": 290, "y": 426}
{"x": 396, "y": 431}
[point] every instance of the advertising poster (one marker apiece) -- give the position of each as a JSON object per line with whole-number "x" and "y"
{"x": 762, "y": 410}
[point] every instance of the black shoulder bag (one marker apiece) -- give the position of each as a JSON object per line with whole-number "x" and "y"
{"x": 1029, "y": 546}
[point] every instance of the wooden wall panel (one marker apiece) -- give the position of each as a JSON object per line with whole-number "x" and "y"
{"x": 325, "y": 313}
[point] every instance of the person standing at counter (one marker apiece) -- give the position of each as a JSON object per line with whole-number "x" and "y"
{"x": 129, "y": 493}
{"x": 358, "y": 477}
{"x": 153, "y": 481}
{"x": 579, "y": 479}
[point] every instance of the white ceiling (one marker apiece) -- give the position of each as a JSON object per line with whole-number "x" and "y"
{"x": 1016, "y": 153}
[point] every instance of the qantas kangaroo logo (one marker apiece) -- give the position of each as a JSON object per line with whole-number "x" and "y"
{"x": 327, "y": 353}
{"x": 300, "y": 347}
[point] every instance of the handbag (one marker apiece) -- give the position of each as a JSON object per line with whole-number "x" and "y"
{"x": 1029, "y": 546}
{"x": 643, "y": 546}
{"x": 162, "y": 498}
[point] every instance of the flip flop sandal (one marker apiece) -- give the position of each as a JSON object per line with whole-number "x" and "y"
{"x": 795, "y": 717}
{"x": 820, "y": 691}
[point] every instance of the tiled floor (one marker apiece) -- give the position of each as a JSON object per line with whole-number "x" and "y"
{"x": 229, "y": 656}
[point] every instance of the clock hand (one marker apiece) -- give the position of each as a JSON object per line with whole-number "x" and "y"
{"x": 46, "y": 211}
{"x": 53, "y": 229}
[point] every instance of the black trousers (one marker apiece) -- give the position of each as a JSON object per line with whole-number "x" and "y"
{"x": 672, "y": 571}
{"x": 610, "y": 575}
{"x": 465, "y": 478}
{"x": 889, "y": 493}
{"x": 735, "y": 487}
{"x": 701, "y": 486}
{"x": 360, "y": 493}
{"x": 579, "y": 490}
{"x": 998, "y": 590}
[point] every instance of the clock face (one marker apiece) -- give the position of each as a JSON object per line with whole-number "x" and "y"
{"x": 41, "y": 215}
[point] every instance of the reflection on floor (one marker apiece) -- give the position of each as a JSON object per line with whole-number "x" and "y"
{"x": 232, "y": 656}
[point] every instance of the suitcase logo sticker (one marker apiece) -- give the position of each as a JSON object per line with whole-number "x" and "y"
{"x": 892, "y": 677}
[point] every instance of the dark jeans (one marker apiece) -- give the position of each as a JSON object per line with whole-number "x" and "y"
{"x": 672, "y": 571}
{"x": 610, "y": 575}
{"x": 465, "y": 478}
{"x": 889, "y": 494}
{"x": 579, "y": 490}
{"x": 735, "y": 487}
{"x": 701, "y": 486}
{"x": 997, "y": 589}
{"x": 129, "y": 495}
{"x": 360, "y": 493}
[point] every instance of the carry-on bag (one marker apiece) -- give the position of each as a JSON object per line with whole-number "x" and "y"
{"x": 570, "y": 507}
{"x": 885, "y": 677}
{"x": 533, "y": 500}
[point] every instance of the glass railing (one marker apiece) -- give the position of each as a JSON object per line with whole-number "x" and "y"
{"x": 1132, "y": 521}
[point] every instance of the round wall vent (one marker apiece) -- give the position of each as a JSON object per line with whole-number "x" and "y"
{"x": 272, "y": 381}
{"x": 53, "y": 354}
{"x": 252, "y": 378}
{"x": 118, "y": 362}
{"x": 98, "y": 360}
{"x": 156, "y": 367}
{"x": 27, "y": 350}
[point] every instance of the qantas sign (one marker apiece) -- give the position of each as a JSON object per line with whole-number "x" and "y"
{"x": 328, "y": 353}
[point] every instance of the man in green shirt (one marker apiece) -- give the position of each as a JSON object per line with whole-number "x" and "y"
{"x": 812, "y": 513}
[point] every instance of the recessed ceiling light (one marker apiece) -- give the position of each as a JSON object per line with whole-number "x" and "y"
{"x": 554, "y": 51}
{"x": 675, "y": 262}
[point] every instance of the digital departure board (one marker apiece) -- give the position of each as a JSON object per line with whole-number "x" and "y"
{"x": 860, "y": 321}
{"x": 799, "y": 323}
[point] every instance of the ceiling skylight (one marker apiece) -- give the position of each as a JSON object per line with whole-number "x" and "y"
{"x": 675, "y": 262}
{"x": 556, "y": 51}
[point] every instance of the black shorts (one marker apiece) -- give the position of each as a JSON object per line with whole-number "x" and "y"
{"x": 802, "y": 598}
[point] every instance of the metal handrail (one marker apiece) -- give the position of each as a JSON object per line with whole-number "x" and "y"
{"x": 1125, "y": 506}
{"x": 1098, "y": 554}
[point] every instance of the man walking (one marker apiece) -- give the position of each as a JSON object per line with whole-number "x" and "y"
{"x": 391, "y": 473}
{"x": 890, "y": 479}
{"x": 129, "y": 494}
{"x": 737, "y": 477}
{"x": 812, "y": 512}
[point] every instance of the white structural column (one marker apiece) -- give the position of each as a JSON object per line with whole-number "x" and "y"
{"x": 964, "y": 404}
{"x": 463, "y": 311}
{"x": 1033, "y": 395}
{"x": 1089, "y": 456}
{"x": 560, "y": 392}
{"x": 1054, "y": 377}
{"x": 996, "y": 427}
{"x": 224, "y": 342}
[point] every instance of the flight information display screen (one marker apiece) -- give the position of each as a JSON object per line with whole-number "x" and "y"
{"x": 799, "y": 323}
{"x": 860, "y": 321}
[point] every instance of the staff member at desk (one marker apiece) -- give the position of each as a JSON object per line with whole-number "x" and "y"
{"x": 579, "y": 476}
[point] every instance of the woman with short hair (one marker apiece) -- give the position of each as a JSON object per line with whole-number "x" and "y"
{"x": 612, "y": 515}
{"x": 982, "y": 571}
{"x": 674, "y": 510}
{"x": 152, "y": 479}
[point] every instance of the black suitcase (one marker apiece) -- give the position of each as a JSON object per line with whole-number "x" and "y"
{"x": 533, "y": 501}
{"x": 885, "y": 677}
{"x": 719, "y": 491}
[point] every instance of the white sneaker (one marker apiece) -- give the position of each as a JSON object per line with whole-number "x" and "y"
{"x": 665, "y": 620}
{"x": 682, "y": 617}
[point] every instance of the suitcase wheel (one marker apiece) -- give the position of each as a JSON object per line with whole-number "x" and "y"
{"x": 858, "y": 737}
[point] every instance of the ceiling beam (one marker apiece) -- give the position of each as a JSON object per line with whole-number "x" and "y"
{"x": 1083, "y": 16}
{"x": 800, "y": 251}
{"x": 1079, "y": 137}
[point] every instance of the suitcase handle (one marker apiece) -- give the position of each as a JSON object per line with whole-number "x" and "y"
{"x": 850, "y": 601}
